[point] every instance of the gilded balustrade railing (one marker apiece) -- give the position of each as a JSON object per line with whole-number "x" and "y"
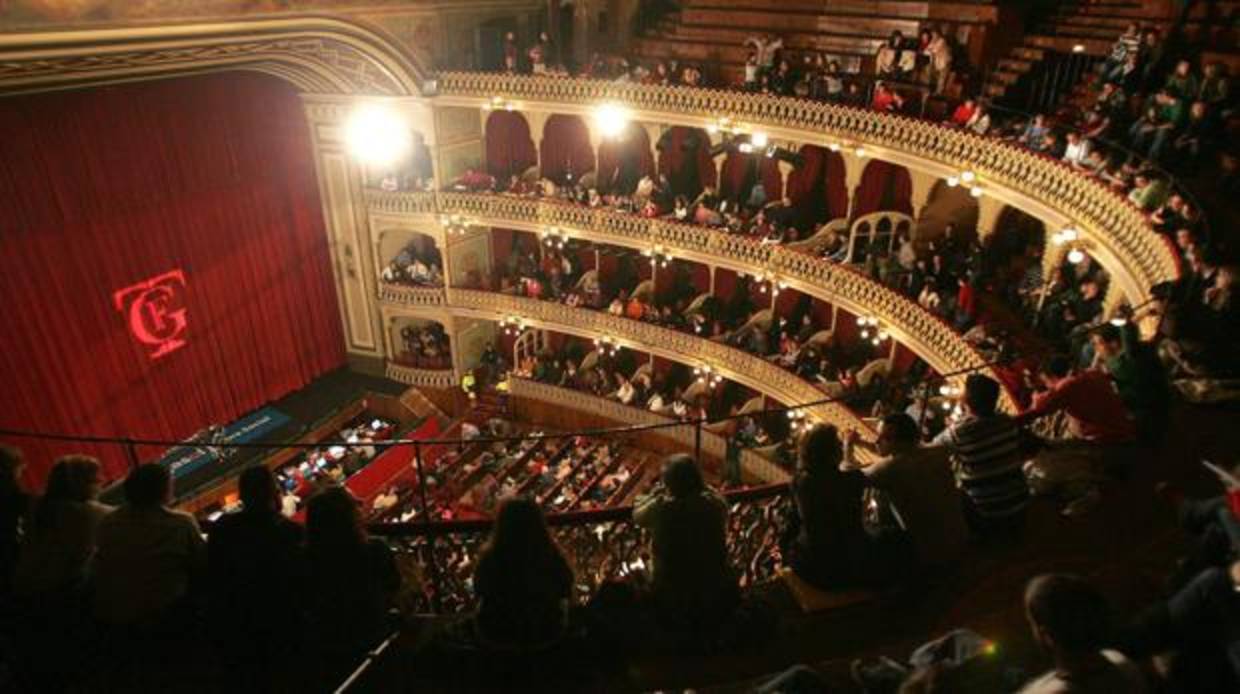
{"x": 712, "y": 444}
{"x": 1115, "y": 231}
{"x": 928, "y": 336}
{"x": 423, "y": 378}
{"x": 734, "y": 364}
{"x": 411, "y": 296}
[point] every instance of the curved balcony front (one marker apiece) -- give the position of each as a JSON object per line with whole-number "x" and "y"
{"x": 746, "y": 369}
{"x": 1116, "y": 232}
{"x": 927, "y": 335}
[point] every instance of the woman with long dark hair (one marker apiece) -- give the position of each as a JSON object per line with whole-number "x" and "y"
{"x": 352, "y": 578}
{"x": 60, "y": 540}
{"x": 522, "y": 580}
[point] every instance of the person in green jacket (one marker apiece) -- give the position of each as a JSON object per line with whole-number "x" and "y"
{"x": 1138, "y": 375}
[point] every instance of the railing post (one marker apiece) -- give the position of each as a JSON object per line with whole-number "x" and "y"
{"x": 697, "y": 441}
{"x": 432, "y": 563}
{"x": 131, "y": 452}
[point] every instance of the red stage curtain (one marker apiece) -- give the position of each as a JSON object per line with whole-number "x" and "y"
{"x": 687, "y": 173}
{"x": 510, "y": 151}
{"x": 884, "y": 186}
{"x": 565, "y": 148}
{"x": 632, "y": 148}
{"x": 209, "y": 176}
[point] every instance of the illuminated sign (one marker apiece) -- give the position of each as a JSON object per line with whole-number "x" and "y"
{"x": 155, "y": 311}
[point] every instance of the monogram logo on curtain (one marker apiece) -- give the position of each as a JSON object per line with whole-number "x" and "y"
{"x": 155, "y": 311}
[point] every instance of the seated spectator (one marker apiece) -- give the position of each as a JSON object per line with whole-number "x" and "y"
{"x": 1216, "y": 90}
{"x": 886, "y": 99}
{"x": 691, "y": 578}
{"x": 1148, "y": 192}
{"x": 254, "y": 561}
{"x": 62, "y": 533}
{"x": 887, "y": 60}
{"x": 979, "y": 123}
{"x": 920, "y": 485}
{"x": 1182, "y": 83}
{"x": 987, "y": 456}
{"x": 522, "y": 579}
{"x": 1076, "y": 150}
{"x": 1103, "y": 435}
{"x": 1069, "y": 620}
{"x": 1137, "y": 374}
{"x": 1034, "y": 131}
{"x": 1201, "y": 131}
{"x": 963, "y": 113}
{"x": 350, "y": 579}
{"x": 827, "y": 544}
{"x": 14, "y": 505}
{"x": 149, "y": 556}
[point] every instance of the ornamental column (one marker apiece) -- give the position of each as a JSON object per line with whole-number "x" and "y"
{"x": 988, "y": 209}
{"x": 923, "y": 185}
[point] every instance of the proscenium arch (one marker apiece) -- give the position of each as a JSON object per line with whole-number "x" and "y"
{"x": 317, "y": 54}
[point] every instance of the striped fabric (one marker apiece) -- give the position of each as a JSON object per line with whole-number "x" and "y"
{"x": 987, "y": 460}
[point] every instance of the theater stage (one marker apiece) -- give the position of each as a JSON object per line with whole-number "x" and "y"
{"x": 287, "y": 420}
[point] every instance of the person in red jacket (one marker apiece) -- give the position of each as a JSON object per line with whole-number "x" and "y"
{"x": 1102, "y": 434}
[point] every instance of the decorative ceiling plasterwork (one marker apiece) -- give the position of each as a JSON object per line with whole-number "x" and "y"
{"x": 319, "y": 55}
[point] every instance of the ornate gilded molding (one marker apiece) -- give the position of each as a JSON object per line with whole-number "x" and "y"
{"x": 753, "y": 372}
{"x": 615, "y": 411}
{"x": 422, "y": 378}
{"x": 318, "y": 54}
{"x": 1116, "y": 232}
{"x": 928, "y": 336}
{"x": 412, "y": 296}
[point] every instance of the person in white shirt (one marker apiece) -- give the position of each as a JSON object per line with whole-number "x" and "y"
{"x": 1069, "y": 620}
{"x": 385, "y": 500}
{"x": 1076, "y": 151}
{"x": 979, "y": 123}
{"x": 149, "y": 555}
{"x": 288, "y": 504}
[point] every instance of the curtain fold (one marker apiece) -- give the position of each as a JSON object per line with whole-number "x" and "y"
{"x": 623, "y": 160}
{"x": 884, "y": 186}
{"x": 510, "y": 151}
{"x": 684, "y": 158}
{"x": 206, "y": 182}
{"x": 565, "y": 149}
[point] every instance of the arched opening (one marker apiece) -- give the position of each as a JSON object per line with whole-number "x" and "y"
{"x": 623, "y": 160}
{"x": 410, "y": 258}
{"x": 684, "y": 158}
{"x": 565, "y": 154}
{"x": 509, "y": 148}
{"x": 420, "y": 343}
{"x": 884, "y": 186}
{"x": 946, "y": 205}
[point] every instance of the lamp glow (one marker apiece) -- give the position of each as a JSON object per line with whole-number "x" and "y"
{"x": 758, "y": 140}
{"x": 611, "y": 119}
{"x": 1075, "y": 256}
{"x": 377, "y": 135}
{"x": 968, "y": 176}
{"x": 952, "y": 181}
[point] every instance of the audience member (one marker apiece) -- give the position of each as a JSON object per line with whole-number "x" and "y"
{"x": 61, "y": 538}
{"x": 150, "y": 557}
{"x": 691, "y": 580}
{"x": 522, "y": 579}
{"x": 987, "y": 455}
{"x": 1069, "y": 620}
{"x": 14, "y": 506}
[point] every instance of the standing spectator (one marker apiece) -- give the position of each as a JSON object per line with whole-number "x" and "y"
{"x": 691, "y": 578}
{"x": 522, "y": 579}
{"x": 62, "y": 536}
{"x": 254, "y": 559}
{"x": 350, "y": 580}
{"x": 14, "y": 505}
{"x": 1128, "y": 44}
{"x": 765, "y": 48}
{"x": 987, "y": 456}
{"x": 939, "y": 52}
{"x": 887, "y": 59}
{"x": 511, "y": 52}
{"x": 1069, "y": 620}
{"x": 150, "y": 556}
{"x": 1182, "y": 83}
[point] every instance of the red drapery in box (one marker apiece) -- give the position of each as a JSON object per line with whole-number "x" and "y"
{"x": 510, "y": 151}
{"x": 623, "y": 160}
{"x": 565, "y": 148}
{"x": 209, "y": 178}
{"x": 884, "y": 186}
{"x": 684, "y": 157}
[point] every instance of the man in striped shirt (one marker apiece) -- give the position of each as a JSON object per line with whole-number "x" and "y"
{"x": 987, "y": 458}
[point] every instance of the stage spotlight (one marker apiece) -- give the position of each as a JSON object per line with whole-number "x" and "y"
{"x": 611, "y": 119}
{"x": 377, "y": 135}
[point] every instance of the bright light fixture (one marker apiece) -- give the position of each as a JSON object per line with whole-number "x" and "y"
{"x": 1078, "y": 48}
{"x": 758, "y": 140}
{"x": 611, "y": 119}
{"x": 861, "y": 152}
{"x": 976, "y": 191}
{"x": 377, "y": 135}
{"x": 952, "y": 181}
{"x": 968, "y": 176}
{"x": 1075, "y": 256}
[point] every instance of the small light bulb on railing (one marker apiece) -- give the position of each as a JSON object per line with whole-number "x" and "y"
{"x": 967, "y": 176}
{"x": 860, "y": 152}
{"x": 976, "y": 191}
{"x": 758, "y": 140}
{"x": 952, "y": 181}
{"x": 1076, "y": 256}
{"x": 834, "y": 146}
